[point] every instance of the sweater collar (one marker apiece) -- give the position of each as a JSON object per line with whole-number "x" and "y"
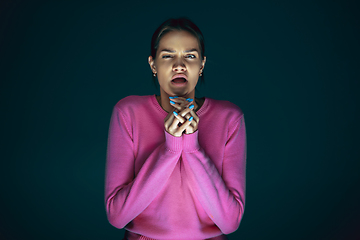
{"x": 199, "y": 112}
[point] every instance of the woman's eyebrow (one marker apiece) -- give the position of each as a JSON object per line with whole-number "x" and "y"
{"x": 192, "y": 50}
{"x": 169, "y": 50}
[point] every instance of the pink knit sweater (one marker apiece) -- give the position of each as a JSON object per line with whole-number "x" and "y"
{"x": 165, "y": 187}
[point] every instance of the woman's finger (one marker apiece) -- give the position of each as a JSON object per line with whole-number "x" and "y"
{"x": 172, "y": 127}
{"x": 187, "y": 113}
{"x": 179, "y": 104}
{"x": 179, "y": 117}
{"x": 182, "y": 100}
{"x": 195, "y": 116}
{"x": 168, "y": 120}
{"x": 178, "y": 100}
{"x": 175, "y": 122}
{"x": 185, "y": 125}
{"x": 195, "y": 121}
{"x": 187, "y": 117}
{"x": 186, "y": 110}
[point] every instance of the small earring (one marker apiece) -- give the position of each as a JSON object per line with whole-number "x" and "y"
{"x": 200, "y": 73}
{"x": 154, "y": 74}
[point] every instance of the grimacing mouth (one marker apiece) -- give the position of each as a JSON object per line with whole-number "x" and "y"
{"x": 179, "y": 79}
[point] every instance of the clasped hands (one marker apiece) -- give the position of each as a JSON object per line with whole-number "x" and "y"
{"x": 183, "y": 118}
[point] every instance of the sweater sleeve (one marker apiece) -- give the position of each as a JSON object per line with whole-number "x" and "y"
{"x": 221, "y": 196}
{"x": 127, "y": 195}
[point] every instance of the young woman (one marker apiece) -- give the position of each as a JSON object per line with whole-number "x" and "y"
{"x": 176, "y": 164}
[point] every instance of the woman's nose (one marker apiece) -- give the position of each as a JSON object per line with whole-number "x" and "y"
{"x": 179, "y": 67}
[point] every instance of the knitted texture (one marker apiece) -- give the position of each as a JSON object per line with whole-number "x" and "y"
{"x": 166, "y": 187}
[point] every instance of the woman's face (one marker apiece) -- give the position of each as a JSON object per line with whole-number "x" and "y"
{"x": 178, "y": 63}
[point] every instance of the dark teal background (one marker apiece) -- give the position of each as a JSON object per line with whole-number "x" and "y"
{"x": 292, "y": 66}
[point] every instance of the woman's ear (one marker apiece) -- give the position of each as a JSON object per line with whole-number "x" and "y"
{"x": 203, "y": 64}
{"x": 152, "y": 64}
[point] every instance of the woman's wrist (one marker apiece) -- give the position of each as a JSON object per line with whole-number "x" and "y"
{"x": 190, "y": 142}
{"x": 174, "y": 144}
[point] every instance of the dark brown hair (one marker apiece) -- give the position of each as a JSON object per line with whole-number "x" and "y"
{"x": 179, "y": 24}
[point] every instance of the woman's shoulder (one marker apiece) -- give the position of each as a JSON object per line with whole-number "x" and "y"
{"x": 225, "y": 107}
{"x": 132, "y": 101}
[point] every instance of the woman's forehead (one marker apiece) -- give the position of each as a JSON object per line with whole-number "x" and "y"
{"x": 178, "y": 40}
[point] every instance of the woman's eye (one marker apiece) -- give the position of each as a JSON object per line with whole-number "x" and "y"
{"x": 166, "y": 56}
{"x": 191, "y": 56}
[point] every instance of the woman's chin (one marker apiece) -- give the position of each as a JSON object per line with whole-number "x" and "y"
{"x": 178, "y": 93}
